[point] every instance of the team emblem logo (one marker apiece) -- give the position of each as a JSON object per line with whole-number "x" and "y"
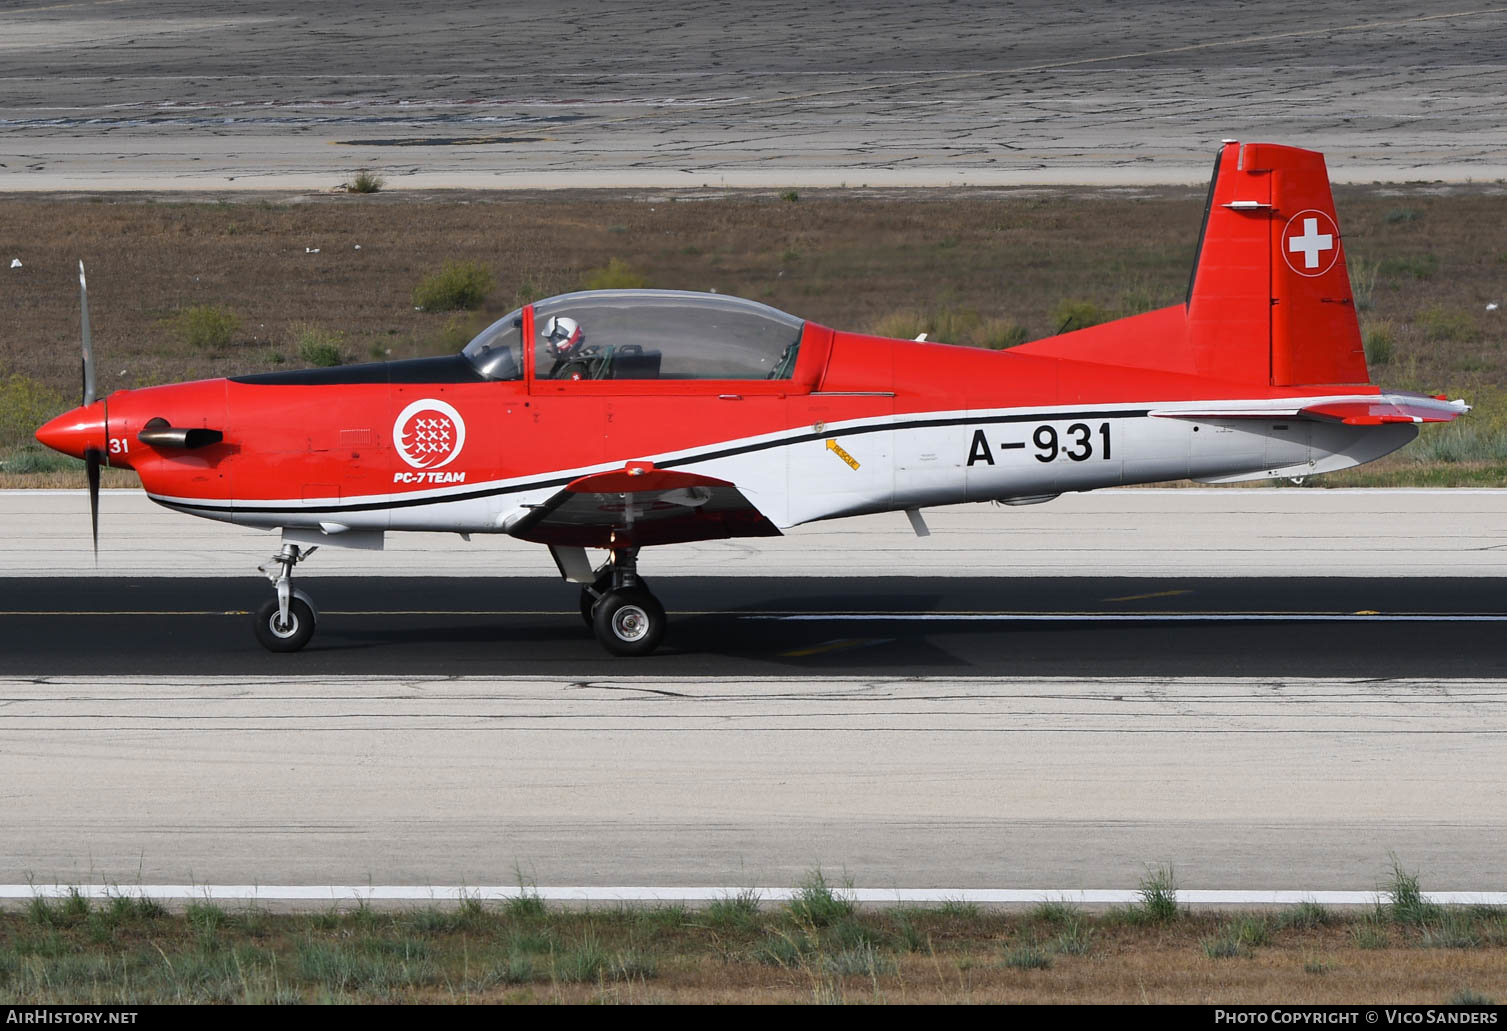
{"x": 1311, "y": 243}
{"x": 429, "y": 434}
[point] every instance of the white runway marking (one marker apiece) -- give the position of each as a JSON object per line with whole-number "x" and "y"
{"x": 634, "y": 893}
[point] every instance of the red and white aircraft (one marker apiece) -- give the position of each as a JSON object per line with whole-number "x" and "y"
{"x": 623, "y": 419}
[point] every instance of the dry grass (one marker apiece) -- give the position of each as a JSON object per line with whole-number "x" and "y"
{"x": 73, "y": 951}
{"x": 980, "y": 262}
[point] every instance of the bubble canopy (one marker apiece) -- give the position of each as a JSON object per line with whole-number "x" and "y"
{"x": 644, "y": 334}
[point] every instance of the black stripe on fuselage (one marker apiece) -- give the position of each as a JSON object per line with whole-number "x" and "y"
{"x": 710, "y": 456}
{"x": 449, "y": 368}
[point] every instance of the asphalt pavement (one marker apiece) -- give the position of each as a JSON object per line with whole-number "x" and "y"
{"x": 924, "y": 626}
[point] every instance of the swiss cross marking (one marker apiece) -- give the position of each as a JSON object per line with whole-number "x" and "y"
{"x": 1311, "y": 243}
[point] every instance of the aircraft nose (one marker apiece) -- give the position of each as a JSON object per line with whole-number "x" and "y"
{"x": 75, "y": 432}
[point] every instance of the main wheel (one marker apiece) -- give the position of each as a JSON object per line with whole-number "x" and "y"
{"x": 601, "y": 587}
{"x": 629, "y": 622}
{"x": 277, "y": 636}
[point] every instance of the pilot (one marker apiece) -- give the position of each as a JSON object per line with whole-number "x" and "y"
{"x": 566, "y": 341}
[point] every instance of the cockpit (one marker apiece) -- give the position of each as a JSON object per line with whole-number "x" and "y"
{"x": 641, "y": 335}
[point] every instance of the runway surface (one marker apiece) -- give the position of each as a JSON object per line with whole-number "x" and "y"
{"x": 146, "y": 94}
{"x": 1296, "y": 784}
{"x": 943, "y": 727}
{"x": 926, "y": 734}
{"x": 919, "y": 626}
{"x": 1417, "y": 534}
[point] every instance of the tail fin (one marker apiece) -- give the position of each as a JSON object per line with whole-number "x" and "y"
{"x": 1269, "y": 299}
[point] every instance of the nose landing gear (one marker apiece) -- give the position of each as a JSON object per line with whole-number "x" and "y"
{"x": 287, "y": 622}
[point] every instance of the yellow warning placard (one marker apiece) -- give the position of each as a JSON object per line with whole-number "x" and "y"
{"x": 836, "y": 448}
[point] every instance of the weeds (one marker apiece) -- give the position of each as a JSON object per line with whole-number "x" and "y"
{"x": 1056, "y": 911}
{"x": 1027, "y": 957}
{"x": 1417, "y": 266}
{"x": 1223, "y": 948}
{"x": 790, "y": 196}
{"x": 457, "y": 286}
{"x": 816, "y": 904}
{"x": 1462, "y": 441}
{"x": 1405, "y": 902}
{"x": 365, "y": 182}
{"x": 316, "y": 346}
{"x": 734, "y": 912}
{"x": 617, "y": 274}
{"x": 1306, "y": 915}
{"x": 1442, "y": 324}
{"x": 862, "y": 960}
{"x": 946, "y": 324}
{"x": 1363, "y": 275}
{"x": 1379, "y": 343}
{"x": 1452, "y": 928}
{"x": 25, "y": 404}
{"x": 1078, "y": 314}
{"x": 1158, "y": 897}
{"x": 206, "y": 327}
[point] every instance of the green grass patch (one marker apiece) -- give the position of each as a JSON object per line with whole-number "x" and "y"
{"x": 1027, "y": 957}
{"x": 1158, "y": 897}
{"x": 206, "y": 327}
{"x": 1307, "y": 915}
{"x": 317, "y": 346}
{"x": 1074, "y": 314}
{"x": 817, "y": 903}
{"x": 457, "y": 286}
{"x": 1415, "y": 266}
{"x": 617, "y": 274}
{"x": 365, "y": 182}
{"x": 733, "y": 912}
{"x": 1448, "y": 324}
{"x": 1380, "y": 343}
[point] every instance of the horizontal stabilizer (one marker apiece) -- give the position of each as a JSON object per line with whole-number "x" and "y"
{"x": 1387, "y": 409}
{"x": 1378, "y": 411}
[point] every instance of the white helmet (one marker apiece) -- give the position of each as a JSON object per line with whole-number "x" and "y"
{"x": 563, "y": 335}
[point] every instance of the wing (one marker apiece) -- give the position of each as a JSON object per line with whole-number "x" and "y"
{"x": 640, "y": 506}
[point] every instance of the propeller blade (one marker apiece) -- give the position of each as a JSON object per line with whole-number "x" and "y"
{"x": 83, "y": 290}
{"x": 93, "y": 459}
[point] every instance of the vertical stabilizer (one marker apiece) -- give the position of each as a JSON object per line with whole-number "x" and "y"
{"x": 1270, "y": 299}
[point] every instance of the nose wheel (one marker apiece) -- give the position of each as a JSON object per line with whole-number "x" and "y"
{"x": 287, "y": 621}
{"x": 277, "y": 633}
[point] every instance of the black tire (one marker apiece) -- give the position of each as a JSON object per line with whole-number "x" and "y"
{"x": 289, "y": 638}
{"x": 589, "y": 600}
{"x": 630, "y": 622}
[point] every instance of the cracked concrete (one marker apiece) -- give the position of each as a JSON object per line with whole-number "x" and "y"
{"x": 803, "y": 93}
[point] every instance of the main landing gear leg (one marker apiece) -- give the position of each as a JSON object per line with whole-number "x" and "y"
{"x": 286, "y": 622}
{"x": 626, "y": 618}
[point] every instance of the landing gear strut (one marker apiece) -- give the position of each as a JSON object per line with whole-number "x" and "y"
{"x": 286, "y": 622}
{"x": 626, "y": 618}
